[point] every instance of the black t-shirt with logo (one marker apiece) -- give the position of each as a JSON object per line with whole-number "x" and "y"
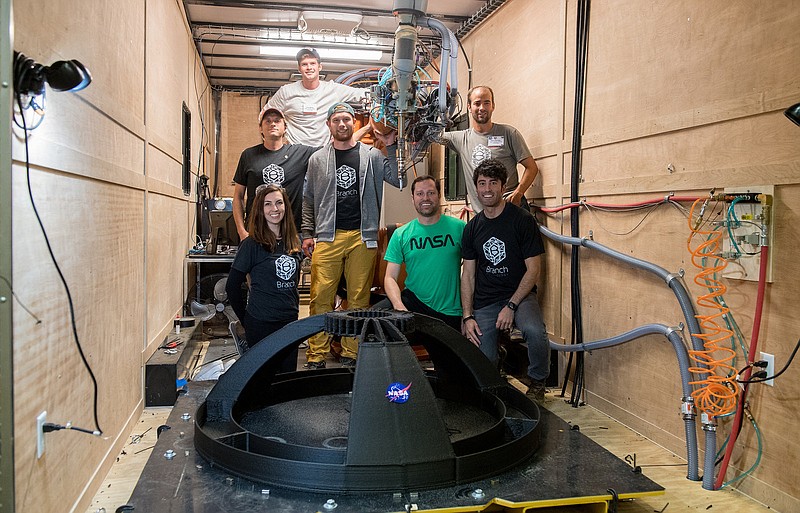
{"x": 500, "y": 246}
{"x": 273, "y": 280}
{"x": 285, "y": 167}
{"x": 348, "y": 199}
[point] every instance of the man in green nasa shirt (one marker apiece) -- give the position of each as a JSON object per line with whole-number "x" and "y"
{"x": 430, "y": 246}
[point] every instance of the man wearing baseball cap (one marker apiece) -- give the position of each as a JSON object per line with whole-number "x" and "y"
{"x": 271, "y": 162}
{"x": 342, "y": 203}
{"x": 306, "y": 103}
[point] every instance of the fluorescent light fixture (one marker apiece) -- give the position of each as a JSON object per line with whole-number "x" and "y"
{"x": 325, "y": 53}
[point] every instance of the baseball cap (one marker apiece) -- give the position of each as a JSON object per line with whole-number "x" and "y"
{"x": 307, "y": 52}
{"x": 265, "y": 110}
{"x": 340, "y": 107}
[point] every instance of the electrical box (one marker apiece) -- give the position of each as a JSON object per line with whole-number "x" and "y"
{"x": 748, "y": 223}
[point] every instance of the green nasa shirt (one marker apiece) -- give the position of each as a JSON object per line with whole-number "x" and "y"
{"x": 432, "y": 254}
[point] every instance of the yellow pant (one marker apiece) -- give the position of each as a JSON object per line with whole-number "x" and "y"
{"x": 346, "y": 253}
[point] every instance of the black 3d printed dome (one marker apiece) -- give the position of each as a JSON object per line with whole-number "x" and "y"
{"x": 387, "y": 425}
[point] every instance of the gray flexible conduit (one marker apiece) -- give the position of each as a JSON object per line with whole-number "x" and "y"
{"x": 684, "y": 300}
{"x": 683, "y": 365}
{"x": 687, "y": 307}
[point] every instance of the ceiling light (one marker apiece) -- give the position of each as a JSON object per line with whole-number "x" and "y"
{"x": 325, "y": 53}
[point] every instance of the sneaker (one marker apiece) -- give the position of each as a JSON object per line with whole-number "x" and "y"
{"x": 536, "y": 391}
{"x": 347, "y": 363}
{"x": 314, "y": 365}
{"x": 516, "y": 335}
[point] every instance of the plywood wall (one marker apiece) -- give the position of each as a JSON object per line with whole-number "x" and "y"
{"x": 106, "y": 178}
{"x": 239, "y": 130}
{"x": 681, "y": 97}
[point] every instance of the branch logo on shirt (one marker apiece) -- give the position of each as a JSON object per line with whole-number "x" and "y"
{"x": 479, "y": 154}
{"x": 494, "y": 250}
{"x": 285, "y": 266}
{"x": 273, "y": 174}
{"x": 345, "y": 177}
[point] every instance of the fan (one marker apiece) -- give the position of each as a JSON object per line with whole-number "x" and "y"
{"x": 208, "y": 301}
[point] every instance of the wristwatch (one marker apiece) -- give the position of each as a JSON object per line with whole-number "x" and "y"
{"x": 512, "y": 306}
{"x": 468, "y": 318}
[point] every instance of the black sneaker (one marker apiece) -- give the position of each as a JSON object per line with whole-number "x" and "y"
{"x": 314, "y": 365}
{"x": 347, "y": 363}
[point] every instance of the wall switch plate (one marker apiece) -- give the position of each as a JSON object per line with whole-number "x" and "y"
{"x": 40, "y": 420}
{"x": 770, "y": 368}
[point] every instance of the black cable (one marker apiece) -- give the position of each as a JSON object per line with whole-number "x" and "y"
{"x": 761, "y": 380}
{"x": 58, "y": 269}
{"x": 49, "y": 427}
{"x": 582, "y": 37}
{"x": 469, "y": 66}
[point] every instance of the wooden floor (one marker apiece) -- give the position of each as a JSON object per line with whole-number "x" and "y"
{"x": 681, "y": 495}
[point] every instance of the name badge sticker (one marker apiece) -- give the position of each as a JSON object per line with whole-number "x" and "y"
{"x": 496, "y": 141}
{"x": 397, "y": 393}
{"x": 309, "y": 108}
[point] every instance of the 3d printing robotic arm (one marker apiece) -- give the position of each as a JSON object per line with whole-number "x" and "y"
{"x": 418, "y": 109}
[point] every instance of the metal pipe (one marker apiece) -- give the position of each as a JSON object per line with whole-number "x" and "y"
{"x": 450, "y": 46}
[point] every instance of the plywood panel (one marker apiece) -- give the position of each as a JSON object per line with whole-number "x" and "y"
{"x": 163, "y": 167}
{"x": 97, "y": 235}
{"x": 202, "y": 109}
{"x": 166, "y": 247}
{"x": 524, "y": 67}
{"x": 167, "y": 54}
{"x": 685, "y": 55}
{"x": 758, "y": 140}
{"x": 76, "y": 138}
{"x": 105, "y": 35}
{"x": 239, "y": 131}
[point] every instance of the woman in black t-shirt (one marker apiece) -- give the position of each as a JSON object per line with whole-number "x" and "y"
{"x": 271, "y": 256}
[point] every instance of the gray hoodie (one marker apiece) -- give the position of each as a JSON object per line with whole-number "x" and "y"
{"x": 319, "y": 191}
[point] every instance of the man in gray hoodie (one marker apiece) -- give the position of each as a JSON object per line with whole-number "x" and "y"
{"x": 342, "y": 201}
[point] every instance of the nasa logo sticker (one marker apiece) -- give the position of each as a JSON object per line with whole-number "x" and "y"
{"x": 397, "y": 392}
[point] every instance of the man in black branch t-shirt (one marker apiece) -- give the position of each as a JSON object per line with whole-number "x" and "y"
{"x": 502, "y": 251}
{"x": 273, "y": 161}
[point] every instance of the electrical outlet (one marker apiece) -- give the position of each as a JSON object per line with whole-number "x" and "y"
{"x": 770, "y": 368}
{"x": 40, "y": 420}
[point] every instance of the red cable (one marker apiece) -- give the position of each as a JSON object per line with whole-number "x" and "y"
{"x": 644, "y": 203}
{"x": 762, "y": 285}
{"x": 552, "y": 210}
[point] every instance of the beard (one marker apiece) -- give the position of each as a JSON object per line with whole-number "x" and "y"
{"x": 344, "y": 136}
{"x": 481, "y": 117}
{"x": 427, "y": 211}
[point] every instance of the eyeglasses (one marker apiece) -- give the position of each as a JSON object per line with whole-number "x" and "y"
{"x": 273, "y": 186}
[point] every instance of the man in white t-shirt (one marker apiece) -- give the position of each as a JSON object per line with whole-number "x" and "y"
{"x": 305, "y": 103}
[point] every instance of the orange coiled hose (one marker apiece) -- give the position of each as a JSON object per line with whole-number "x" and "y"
{"x": 717, "y": 390}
